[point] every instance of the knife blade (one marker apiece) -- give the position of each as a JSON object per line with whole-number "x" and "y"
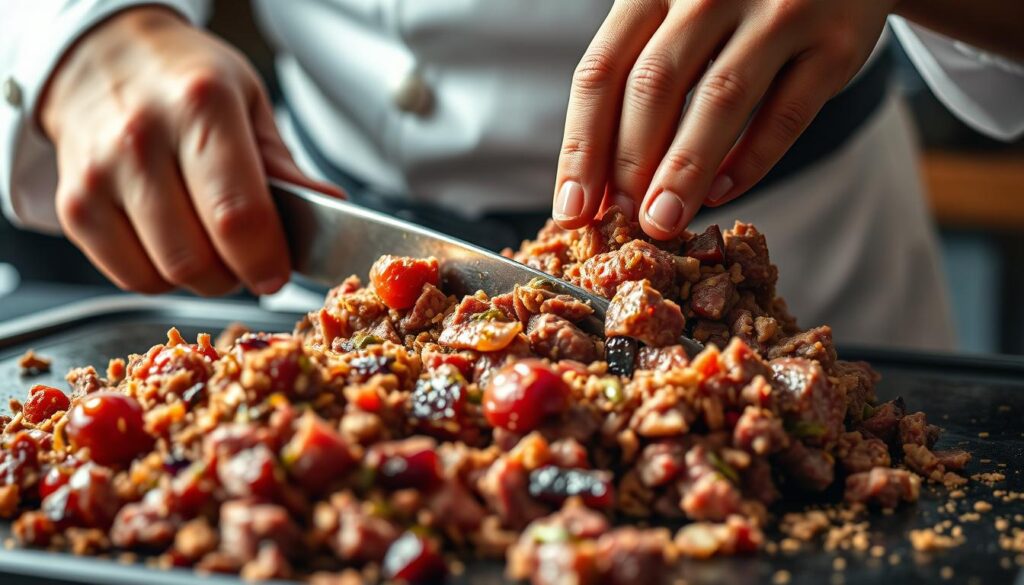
{"x": 331, "y": 239}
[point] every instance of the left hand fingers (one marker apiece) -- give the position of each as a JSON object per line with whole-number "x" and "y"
{"x": 718, "y": 111}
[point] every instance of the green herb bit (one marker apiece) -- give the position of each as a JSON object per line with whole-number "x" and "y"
{"x": 549, "y": 533}
{"x": 492, "y": 314}
{"x": 538, "y": 282}
{"x": 803, "y": 429}
{"x": 364, "y": 340}
{"x": 723, "y": 468}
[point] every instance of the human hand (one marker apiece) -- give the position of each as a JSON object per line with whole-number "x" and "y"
{"x": 774, "y": 63}
{"x": 164, "y": 138}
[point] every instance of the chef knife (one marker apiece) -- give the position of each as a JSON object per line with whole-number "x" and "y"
{"x": 331, "y": 239}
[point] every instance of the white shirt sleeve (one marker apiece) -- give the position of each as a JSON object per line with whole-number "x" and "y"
{"x": 984, "y": 90}
{"x": 34, "y": 34}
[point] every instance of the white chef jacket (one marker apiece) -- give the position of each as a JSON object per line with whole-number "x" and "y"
{"x": 461, "y": 103}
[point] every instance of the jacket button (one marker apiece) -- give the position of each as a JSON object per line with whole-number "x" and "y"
{"x": 12, "y": 92}
{"x": 413, "y": 95}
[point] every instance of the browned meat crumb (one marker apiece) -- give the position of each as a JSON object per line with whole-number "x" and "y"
{"x": 32, "y": 363}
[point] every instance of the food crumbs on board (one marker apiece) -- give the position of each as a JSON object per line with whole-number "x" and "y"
{"x": 877, "y": 551}
{"x": 983, "y": 434}
{"x": 839, "y": 564}
{"x": 982, "y": 506}
{"x": 894, "y": 559}
{"x": 946, "y": 572}
{"x": 957, "y": 494}
{"x": 32, "y": 363}
{"x": 1002, "y": 524}
{"x": 781, "y": 577}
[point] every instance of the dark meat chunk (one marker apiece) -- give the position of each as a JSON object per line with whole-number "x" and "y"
{"x": 953, "y": 459}
{"x": 427, "y": 311}
{"x": 711, "y": 333}
{"x": 630, "y": 555}
{"x": 455, "y": 508}
{"x": 812, "y": 407}
{"x": 246, "y": 526}
{"x": 662, "y": 359}
{"x": 813, "y": 344}
{"x": 920, "y": 459}
{"x": 711, "y": 297}
{"x": 637, "y": 260}
{"x": 884, "y": 486}
{"x": 505, "y": 486}
{"x": 660, "y": 463}
{"x": 550, "y": 252}
{"x": 468, "y": 308}
{"x": 611, "y": 232}
{"x": 884, "y": 421}
{"x": 143, "y": 525}
{"x": 759, "y": 431}
{"x": 529, "y": 300}
{"x": 708, "y": 486}
{"x": 480, "y": 335}
{"x": 545, "y": 552}
{"x": 557, "y": 339}
{"x": 915, "y": 430}
{"x": 708, "y": 247}
{"x": 84, "y": 381}
{"x": 359, "y": 536}
{"x": 746, "y": 246}
{"x": 250, "y": 472}
{"x": 858, "y": 453}
{"x": 316, "y": 455}
{"x": 811, "y": 469}
{"x": 639, "y": 311}
{"x": 859, "y": 381}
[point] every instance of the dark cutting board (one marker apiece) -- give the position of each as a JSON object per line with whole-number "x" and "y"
{"x": 966, "y": 396}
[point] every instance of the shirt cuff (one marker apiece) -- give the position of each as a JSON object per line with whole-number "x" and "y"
{"x": 984, "y": 90}
{"x": 28, "y": 167}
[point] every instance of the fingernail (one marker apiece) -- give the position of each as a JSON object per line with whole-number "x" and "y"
{"x": 665, "y": 211}
{"x": 569, "y": 202}
{"x": 625, "y": 203}
{"x": 719, "y": 187}
{"x": 269, "y": 286}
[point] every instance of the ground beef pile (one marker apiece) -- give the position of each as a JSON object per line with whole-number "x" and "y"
{"x": 398, "y": 428}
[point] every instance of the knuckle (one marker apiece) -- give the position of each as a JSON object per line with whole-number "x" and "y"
{"x": 235, "y": 215}
{"x": 724, "y": 90}
{"x": 841, "y": 50}
{"x": 137, "y": 133}
{"x": 204, "y": 87}
{"x": 682, "y": 163}
{"x": 652, "y": 80}
{"x": 578, "y": 148}
{"x": 630, "y": 164}
{"x": 790, "y": 119}
{"x": 757, "y": 160}
{"x": 183, "y": 266}
{"x": 596, "y": 71}
{"x": 74, "y": 208}
{"x": 784, "y": 12}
